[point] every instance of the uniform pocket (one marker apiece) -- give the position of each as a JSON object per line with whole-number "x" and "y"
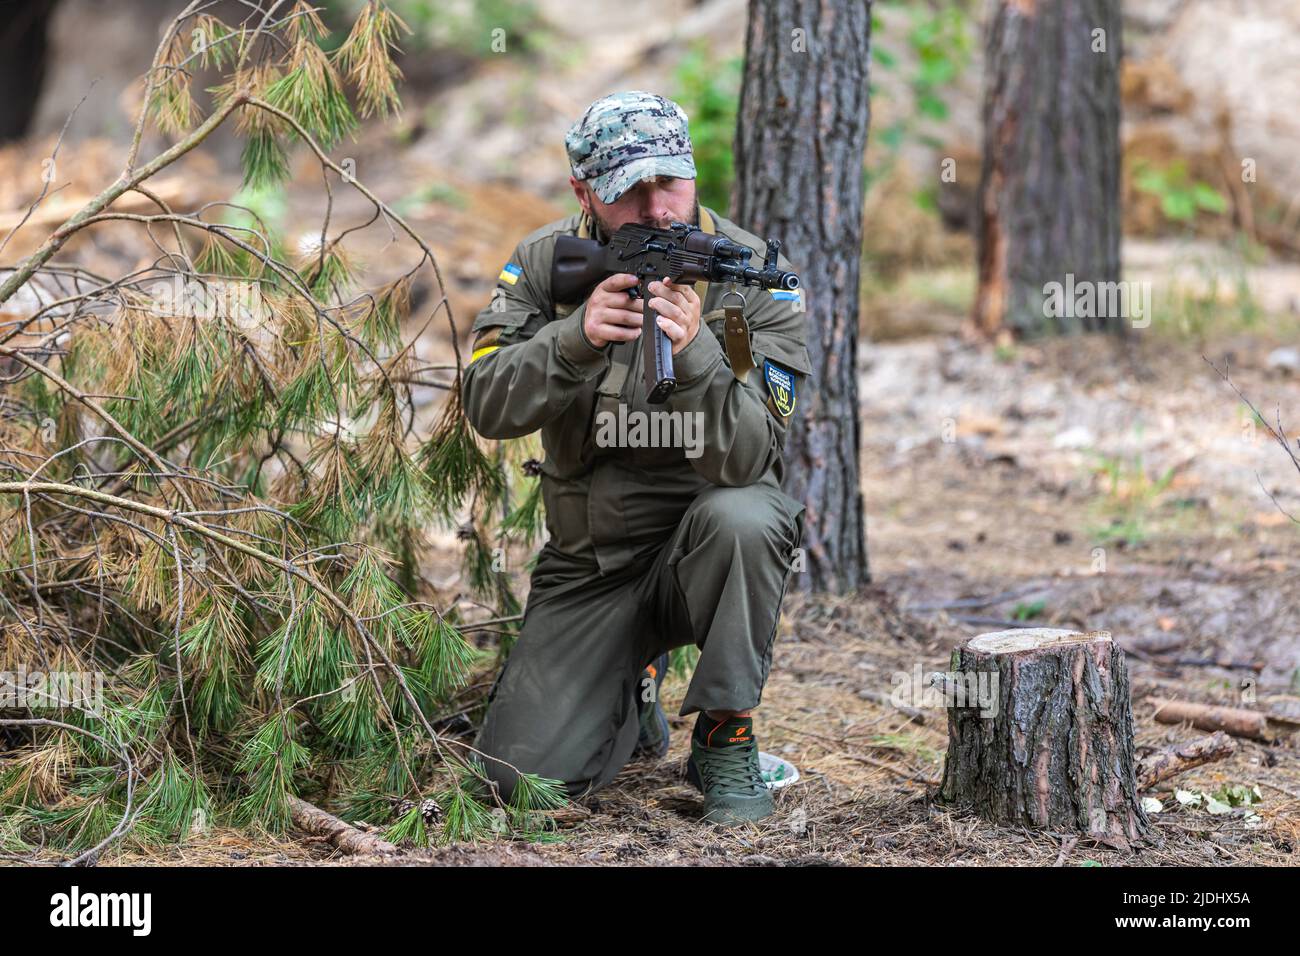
{"x": 504, "y": 313}
{"x": 785, "y": 350}
{"x": 568, "y": 438}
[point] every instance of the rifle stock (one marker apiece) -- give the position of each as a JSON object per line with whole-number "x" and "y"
{"x": 578, "y": 267}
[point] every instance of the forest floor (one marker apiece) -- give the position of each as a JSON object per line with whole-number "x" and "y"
{"x": 1076, "y": 484}
{"x": 1081, "y": 484}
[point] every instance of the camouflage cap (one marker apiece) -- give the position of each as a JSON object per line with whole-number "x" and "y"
{"x": 624, "y": 138}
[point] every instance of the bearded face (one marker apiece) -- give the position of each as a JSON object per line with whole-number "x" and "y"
{"x": 656, "y": 202}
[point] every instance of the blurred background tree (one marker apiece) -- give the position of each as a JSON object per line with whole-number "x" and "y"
{"x": 1049, "y": 196}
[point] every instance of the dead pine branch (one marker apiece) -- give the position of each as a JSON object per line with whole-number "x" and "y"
{"x": 343, "y": 835}
{"x": 1250, "y": 724}
{"x": 1170, "y": 762}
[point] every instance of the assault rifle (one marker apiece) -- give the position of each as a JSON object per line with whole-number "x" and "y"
{"x": 682, "y": 253}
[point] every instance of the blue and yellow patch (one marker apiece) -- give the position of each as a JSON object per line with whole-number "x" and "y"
{"x": 785, "y": 295}
{"x": 780, "y": 385}
{"x": 510, "y": 274}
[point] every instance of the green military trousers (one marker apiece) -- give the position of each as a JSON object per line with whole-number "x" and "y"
{"x": 565, "y": 704}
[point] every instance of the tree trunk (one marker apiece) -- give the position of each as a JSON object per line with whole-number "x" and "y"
{"x": 1048, "y": 205}
{"x": 1040, "y": 733}
{"x": 800, "y": 138}
{"x": 22, "y": 63}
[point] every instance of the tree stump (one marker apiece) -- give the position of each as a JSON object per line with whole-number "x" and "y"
{"x": 1040, "y": 733}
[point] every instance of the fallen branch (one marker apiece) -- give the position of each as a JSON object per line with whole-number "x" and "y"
{"x": 1156, "y": 644}
{"x": 1172, "y": 761}
{"x": 1224, "y": 663}
{"x": 180, "y": 398}
{"x": 884, "y": 700}
{"x": 978, "y": 621}
{"x": 1066, "y": 847}
{"x": 343, "y": 835}
{"x": 977, "y": 602}
{"x": 1251, "y": 724}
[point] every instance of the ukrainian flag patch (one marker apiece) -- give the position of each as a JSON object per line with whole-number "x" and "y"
{"x": 510, "y": 274}
{"x": 780, "y": 385}
{"x": 785, "y": 295}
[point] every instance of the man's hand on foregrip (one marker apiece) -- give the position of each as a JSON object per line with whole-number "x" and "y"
{"x": 679, "y": 312}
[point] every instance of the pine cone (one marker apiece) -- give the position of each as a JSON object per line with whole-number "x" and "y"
{"x": 430, "y": 810}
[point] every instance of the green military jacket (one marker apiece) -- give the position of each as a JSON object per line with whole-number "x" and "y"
{"x": 532, "y": 368}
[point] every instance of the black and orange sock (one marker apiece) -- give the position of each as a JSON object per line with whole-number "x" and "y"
{"x": 734, "y": 731}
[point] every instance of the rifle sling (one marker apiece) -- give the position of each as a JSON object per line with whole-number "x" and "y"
{"x": 736, "y": 337}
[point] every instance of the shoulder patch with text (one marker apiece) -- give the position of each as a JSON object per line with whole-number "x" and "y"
{"x": 780, "y": 385}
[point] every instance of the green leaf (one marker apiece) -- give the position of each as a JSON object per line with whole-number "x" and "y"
{"x": 933, "y": 107}
{"x": 1209, "y": 198}
{"x": 1178, "y": 206}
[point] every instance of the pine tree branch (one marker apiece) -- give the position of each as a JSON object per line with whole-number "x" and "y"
{"x": 174, "y": 517}
{"x": 125, "y": 182}
{"x": 128, "y": 817}
{"x": 379, "y": 204}
{"x": 231, "y": 390}
{"x": 151, "y": 84}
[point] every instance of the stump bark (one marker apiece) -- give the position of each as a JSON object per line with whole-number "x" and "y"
{"x": 1040, "y": 733}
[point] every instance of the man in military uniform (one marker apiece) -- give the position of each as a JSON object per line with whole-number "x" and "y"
{"x": 649, "y": 548}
